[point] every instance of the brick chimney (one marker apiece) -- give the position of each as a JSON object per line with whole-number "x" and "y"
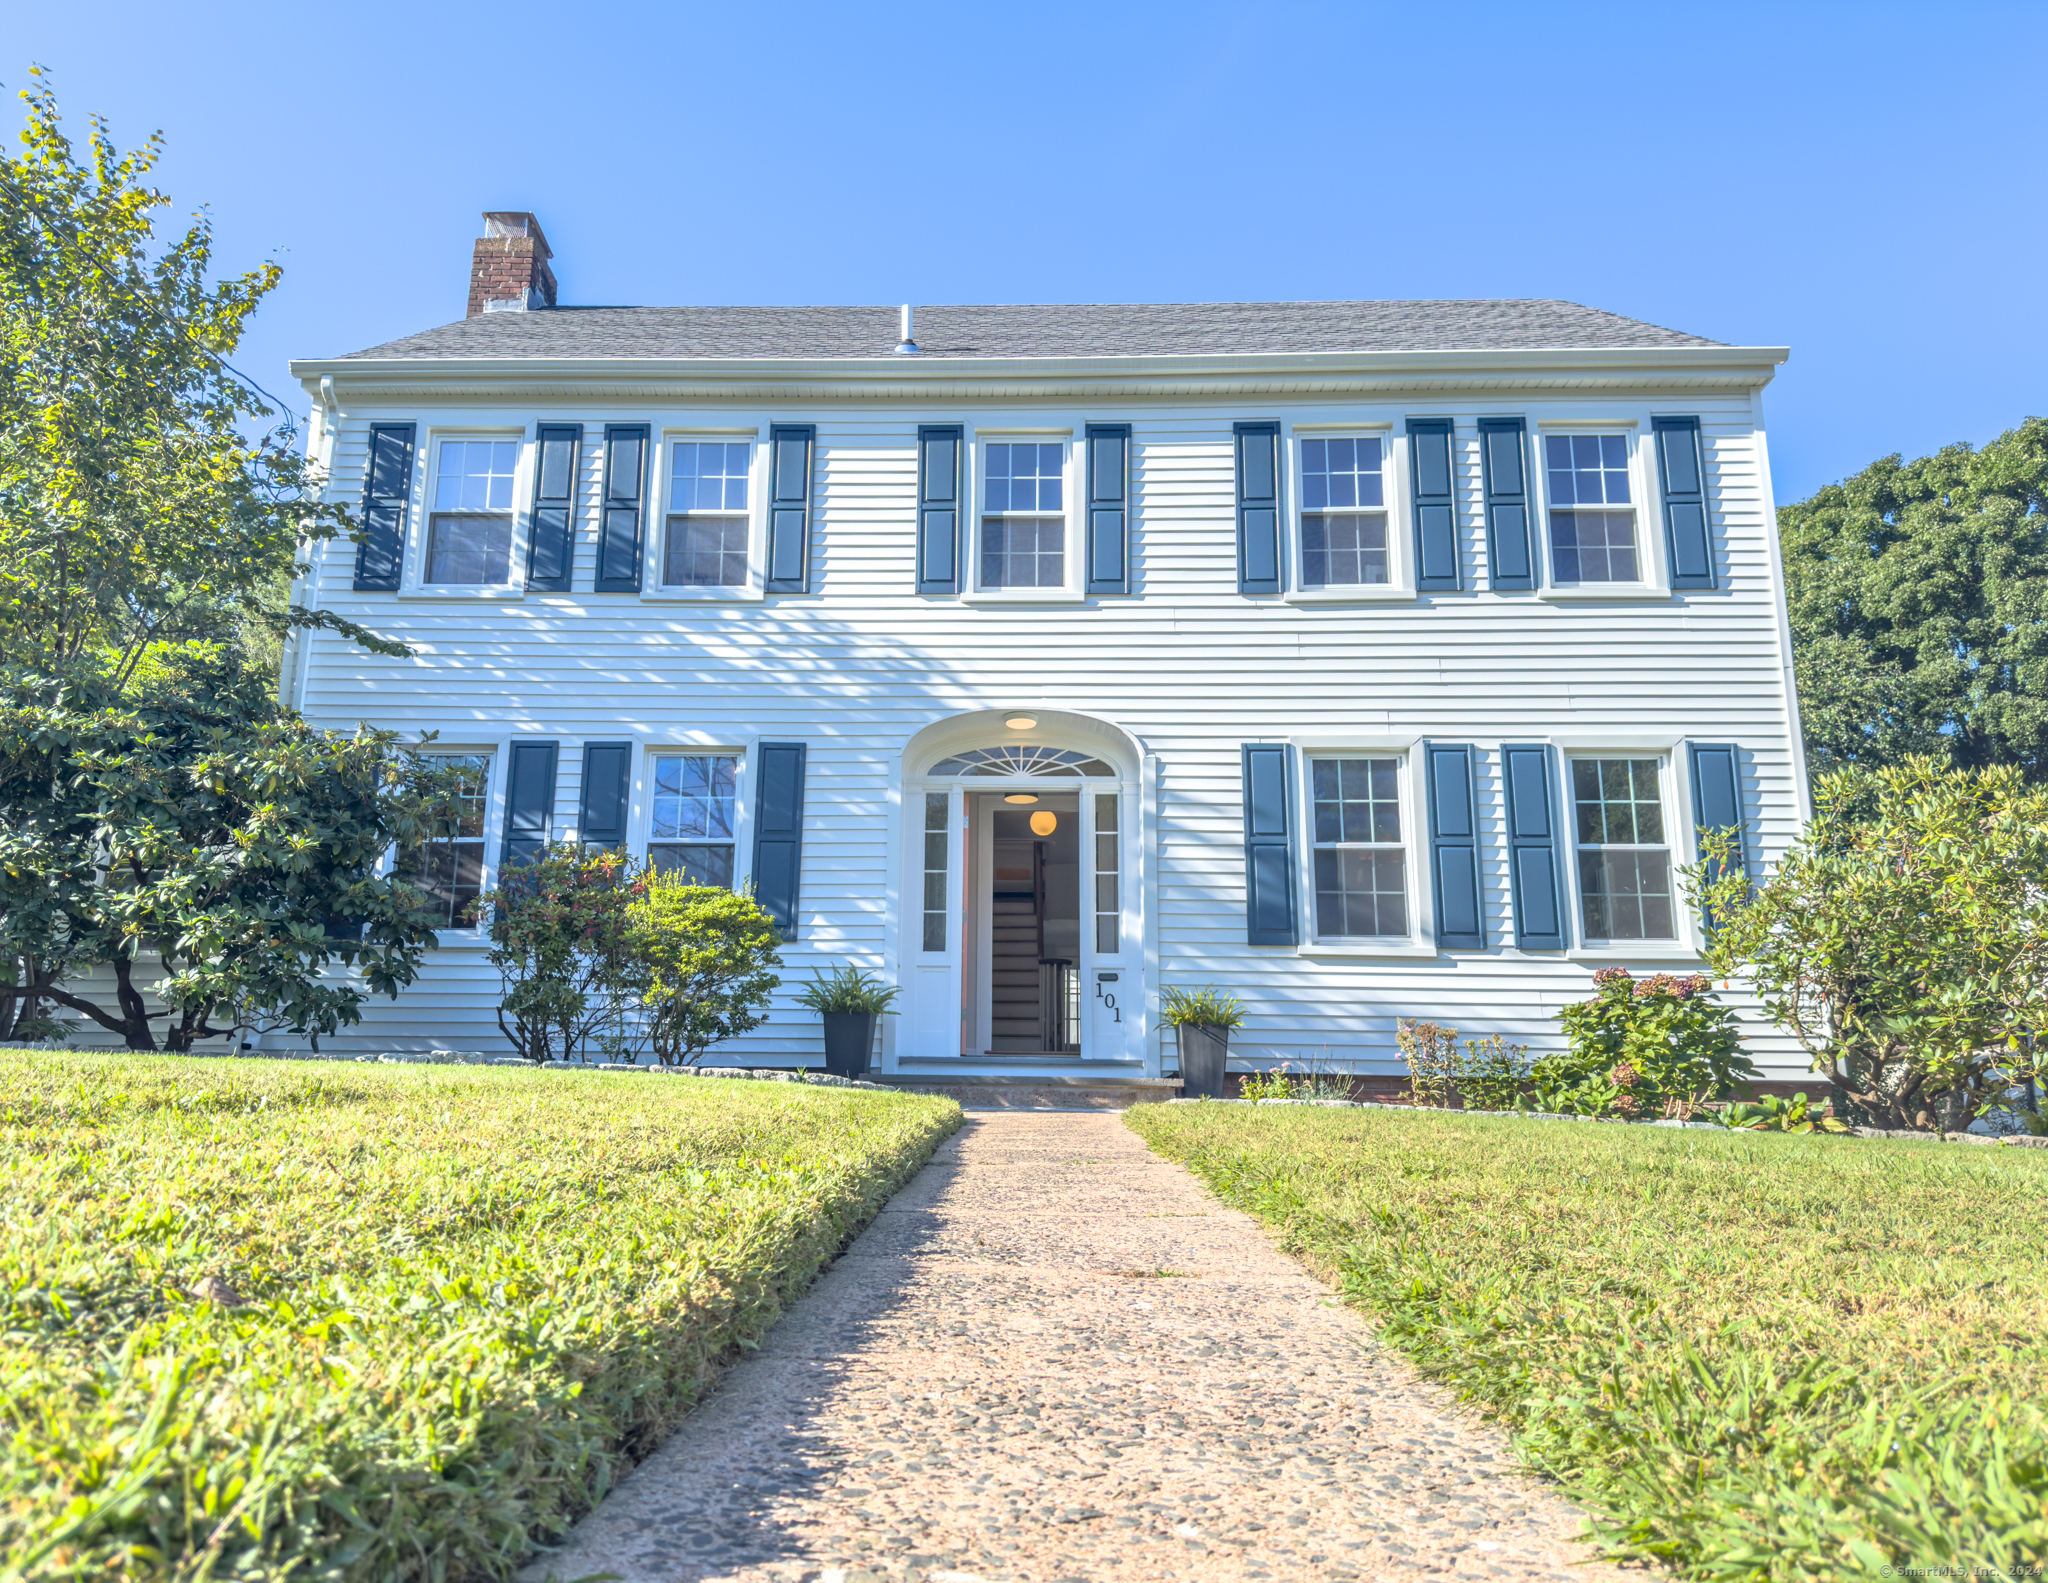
{"x": 510, "y": 272}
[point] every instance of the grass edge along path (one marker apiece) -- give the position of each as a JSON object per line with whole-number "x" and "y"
{"x": 1749, "y": 1356}
{"x": 273, "y": 1319}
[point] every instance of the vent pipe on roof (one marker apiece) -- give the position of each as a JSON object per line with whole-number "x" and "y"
{"x": 906, "y": 346}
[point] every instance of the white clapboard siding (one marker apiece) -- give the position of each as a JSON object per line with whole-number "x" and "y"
{"x": 1185, "y": 665}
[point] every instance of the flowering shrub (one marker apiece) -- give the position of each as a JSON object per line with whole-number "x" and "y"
{"x": 1658, "y": 1046}
{"x": 601, "y": 955}
{"x": 1431, "y": 1052}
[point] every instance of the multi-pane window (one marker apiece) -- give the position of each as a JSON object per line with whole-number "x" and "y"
{"x": 469, "y": 531}
{"x": 1343, "y": 528}
{"x": 1624, "y": 863}
{"x": 1107, "y": 909}
{"x": 936, "y": 842}
{"x": 707, "y": 515}
{"x": 695, "y": 801}
{"x": 1024, "y": 518}
{"x": 1361, "y": 867}
{"x": 448, "y": 869}
{"x": 1590, "y": 546}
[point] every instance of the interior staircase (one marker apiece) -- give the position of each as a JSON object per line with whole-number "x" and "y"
{"x": 1016, "y": 996}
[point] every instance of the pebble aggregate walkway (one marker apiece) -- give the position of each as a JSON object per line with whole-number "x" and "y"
{"x": 1055, "y": 1358}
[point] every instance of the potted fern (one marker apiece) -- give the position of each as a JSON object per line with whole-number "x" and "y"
{"x": 1201, "y": 1020}
{"x": 849, "y": 1002}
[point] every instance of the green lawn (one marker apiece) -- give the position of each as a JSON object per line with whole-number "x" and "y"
{"x": 470, "y": 1297}
{"x": 1752, "y": 1356}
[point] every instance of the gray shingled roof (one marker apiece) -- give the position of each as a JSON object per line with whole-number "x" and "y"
{"x": 1145, "y": 329}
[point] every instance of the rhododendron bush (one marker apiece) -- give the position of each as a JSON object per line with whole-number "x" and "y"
{"x": 602, "y": 956}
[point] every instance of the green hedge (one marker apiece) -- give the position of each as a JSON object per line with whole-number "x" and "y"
{"x": 1750, "y": 1355}
{"x": 457, "y": 1303}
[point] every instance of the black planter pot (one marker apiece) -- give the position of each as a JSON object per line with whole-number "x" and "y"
{"x": 1203, "y": 1052}
{"x": 849, "y": 1036}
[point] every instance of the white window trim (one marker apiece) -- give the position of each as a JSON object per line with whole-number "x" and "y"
{"x": 1675, "y": 796}
{"x": 640, "y": 816}
{"x": 1073, "y": 482}
{"x": 1394, "y": 486}
{"x": 1420, "y": 941}
{"x": 1655, "y": 583}
{"x": 413, "y": 584}
{"x": 655, "y": 535}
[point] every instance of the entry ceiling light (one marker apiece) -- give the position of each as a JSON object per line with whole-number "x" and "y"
{"x": 1021, "y": 722}
{"x": 1044, "y": 822}
{"x": 1022, "y": 797}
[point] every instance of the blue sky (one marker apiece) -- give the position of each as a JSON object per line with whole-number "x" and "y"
{"x": 1860, "y": 183}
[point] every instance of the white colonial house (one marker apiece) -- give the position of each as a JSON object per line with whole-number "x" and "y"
{"x": 1368, "y": 660}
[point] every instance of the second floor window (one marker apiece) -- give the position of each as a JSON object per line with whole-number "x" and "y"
{"x": 695, "y": 796}
{"x": 1361, "y": 866}
{"x": 1024, "y": 517}
{"x": 1590, "y": 546}
{"x": 449, "y": 869}
{"x": 1343, "y": 523}
{"x": 1624, "y": 863}
{"x": 469, "y": 532}
{"x": 707, "y": 515}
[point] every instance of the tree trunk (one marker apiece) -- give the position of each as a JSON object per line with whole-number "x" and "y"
{"x": 134, "y": 1012}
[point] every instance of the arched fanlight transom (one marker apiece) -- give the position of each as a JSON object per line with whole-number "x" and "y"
{"x": 1022, "y": 758}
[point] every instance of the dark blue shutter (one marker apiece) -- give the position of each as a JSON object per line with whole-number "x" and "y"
{"x": 625, "y": 507}
{"x": 779, "y": 831}
{"x": 1436, "y": 506}
{"x": 789, "y": 507}
{"x": 1454, "y": 848}
{"x": 1109, "y": 488}
{"x": 1686, "y": 528}
{"x": 1258, "y": 508}
{"x": 607, "y": 776}
{"x": 380, "y": 553}
{"x": 1268, "y": 847}
{"x": 1534, "y": 874}
{"x": 551, "y": 556}
{"x": 1504, "y": 462}
{"x": 938, "y": 509}
{"x": 529, "y": 801}
{"x": 1717, "y": 798}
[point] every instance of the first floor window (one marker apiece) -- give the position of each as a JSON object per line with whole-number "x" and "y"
{"x": 469, "y": 531}
{"x": 1624, "y": 863}
{"x": 1361, "y": 866}
{"x": 1343, "y": 535}
{"x": 449, "y": 868}
{"x": 707, "y": 523}
{"x": 691, "y": 831}
{"x": 1024, "y": 523}
{"x": 1590, "y": 546}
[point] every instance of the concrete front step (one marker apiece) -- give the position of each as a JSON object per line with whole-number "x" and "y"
{"x": 1048, "y": 1092}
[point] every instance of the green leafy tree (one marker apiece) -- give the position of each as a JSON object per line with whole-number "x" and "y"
{"x": 710, "y": 957}
{"x": 1918, "y": 594}
{"x": 1903, "y": 939}
{"x": 134, "y": 507}
{"x": 190, "y": 855}
{"x": 169, "y": 831}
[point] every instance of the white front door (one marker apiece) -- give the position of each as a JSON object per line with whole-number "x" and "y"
{"x": 1019, "y": 941}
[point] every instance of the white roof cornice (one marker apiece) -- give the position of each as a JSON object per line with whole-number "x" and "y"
{"x": 910, "y": 379}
